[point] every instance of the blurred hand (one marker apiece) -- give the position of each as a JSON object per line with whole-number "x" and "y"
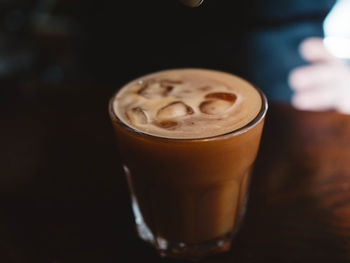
{"x": 324, "y": 84}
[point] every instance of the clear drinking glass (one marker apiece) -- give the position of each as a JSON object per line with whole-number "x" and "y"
{"x": 189, "y": 195}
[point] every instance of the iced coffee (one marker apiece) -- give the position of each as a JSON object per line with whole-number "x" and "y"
{"x": 188, "y": 139}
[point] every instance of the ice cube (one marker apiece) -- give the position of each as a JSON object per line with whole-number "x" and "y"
{"x": 174, "y": 110}
{"x": 167, "y": 124}
{"x": 154, "y": 90}
{"x": 217, "y": 103}
{"x": 214, "y": 107}
{"x": 137, "y": 116}
{"x": 222, "y": 96}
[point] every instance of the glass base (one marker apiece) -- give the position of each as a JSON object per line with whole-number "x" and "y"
{"x": 193, "y": 252}
{"x": 180, "y": 250}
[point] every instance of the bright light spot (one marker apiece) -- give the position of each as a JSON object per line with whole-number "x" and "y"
{"x": 338, "y": 46}
{"x": 337, "y": 30}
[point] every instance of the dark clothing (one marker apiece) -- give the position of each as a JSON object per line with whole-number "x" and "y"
{"x": 115, "y": 41}
{"x": 256, "y": 39}
{"x": 273, "y": 43}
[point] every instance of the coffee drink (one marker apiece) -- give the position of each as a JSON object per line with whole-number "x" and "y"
{"x": 188, "y": 138}
{"x": 187, "y": 103}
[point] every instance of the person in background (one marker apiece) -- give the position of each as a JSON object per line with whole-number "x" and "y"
{"x": 323, "y": 84}
{"x": 275, "y": 44}
{"x": 267, "y": 42}
{"x": 320, "y": 84}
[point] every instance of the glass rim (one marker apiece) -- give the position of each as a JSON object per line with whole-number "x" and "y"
{"x": 257, "y": 119}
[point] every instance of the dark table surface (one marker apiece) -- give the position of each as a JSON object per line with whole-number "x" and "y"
{"x": 63, "y": 197}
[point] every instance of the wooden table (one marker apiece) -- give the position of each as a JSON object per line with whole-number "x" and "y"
{"x": 63, "y": 197}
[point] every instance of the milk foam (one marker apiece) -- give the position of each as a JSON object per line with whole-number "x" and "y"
{"x": 187, "y": 103}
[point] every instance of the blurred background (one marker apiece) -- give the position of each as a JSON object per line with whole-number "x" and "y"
{"x": 55, "y": 41}
{"x": 62, "y": 191}
{"x": 38, "y": 43}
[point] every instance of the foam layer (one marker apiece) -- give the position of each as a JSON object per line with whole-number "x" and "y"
{"x": 187, "y": 103}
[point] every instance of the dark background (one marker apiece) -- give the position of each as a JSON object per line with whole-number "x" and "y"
{"x": 55, "y": 41}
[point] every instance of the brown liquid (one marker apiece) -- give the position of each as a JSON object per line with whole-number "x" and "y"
{"x": 192, "y": 190}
